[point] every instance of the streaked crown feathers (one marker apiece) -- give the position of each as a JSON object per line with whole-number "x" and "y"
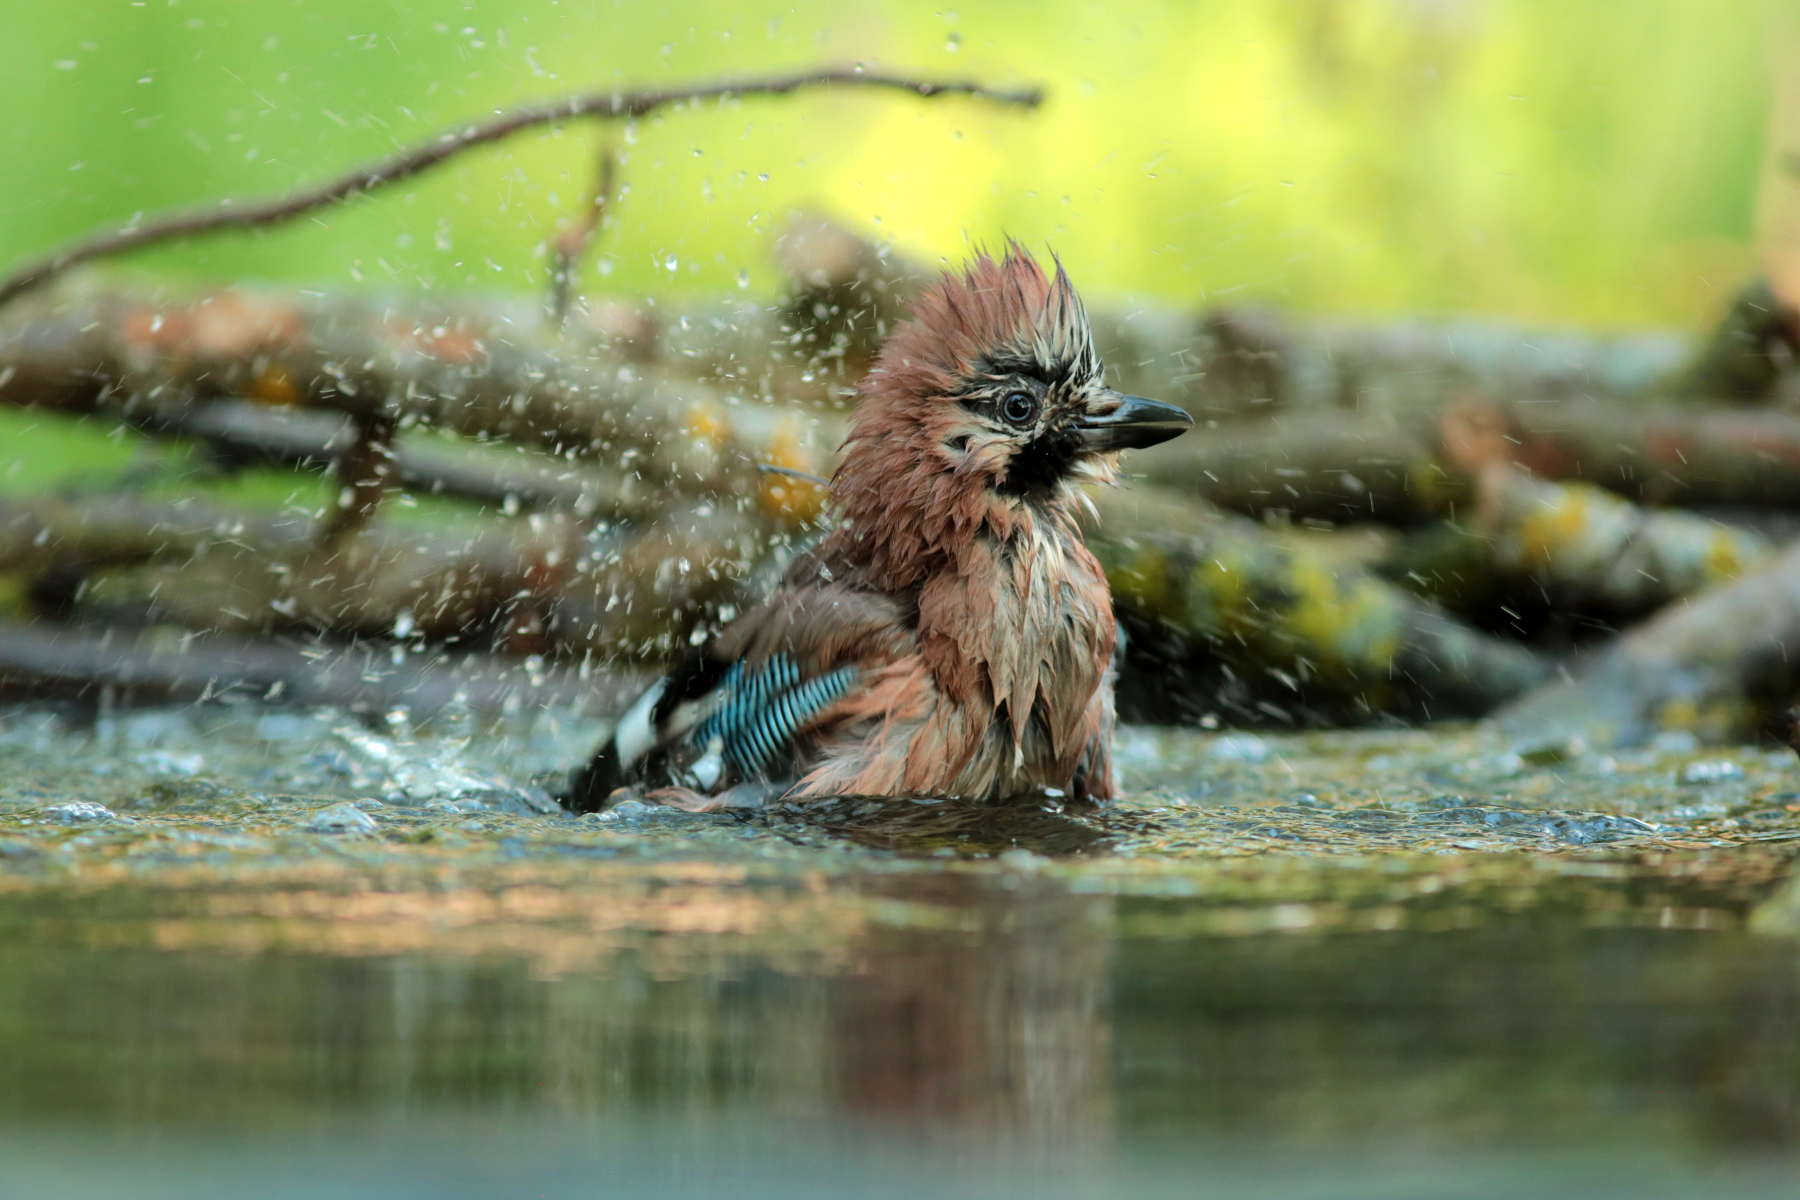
{"x": 1005, "y": 313}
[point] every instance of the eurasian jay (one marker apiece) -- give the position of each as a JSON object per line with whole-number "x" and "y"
{"x": 951, "y": 636}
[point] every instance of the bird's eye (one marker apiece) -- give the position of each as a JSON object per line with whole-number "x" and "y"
{"x": 1019, "y": 408}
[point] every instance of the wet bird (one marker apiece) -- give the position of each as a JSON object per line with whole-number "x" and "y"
{"x": 951, "y": 636}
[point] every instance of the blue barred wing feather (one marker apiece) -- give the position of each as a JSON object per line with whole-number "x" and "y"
{"x": 709, "y": 725}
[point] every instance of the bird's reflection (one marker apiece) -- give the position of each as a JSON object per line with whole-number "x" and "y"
{"x": 989, "y": 1016}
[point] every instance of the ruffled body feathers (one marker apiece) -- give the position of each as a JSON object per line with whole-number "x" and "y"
{"x": 954, "y": 590}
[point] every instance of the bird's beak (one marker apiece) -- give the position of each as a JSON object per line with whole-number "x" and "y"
{"x": 1134, "y": 424}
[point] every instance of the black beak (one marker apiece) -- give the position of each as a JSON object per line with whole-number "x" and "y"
{"x": 1134, "y": 424}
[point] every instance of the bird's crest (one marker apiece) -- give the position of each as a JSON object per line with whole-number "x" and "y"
{"x": 1005, "y": 314}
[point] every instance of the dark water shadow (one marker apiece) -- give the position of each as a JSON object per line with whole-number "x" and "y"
{"x": 961, "y": 828}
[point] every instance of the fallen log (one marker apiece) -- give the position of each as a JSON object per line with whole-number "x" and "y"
{"x": 1531, "y": 551}
{"x": 481, "y": 376}
{"x": 1403, "y": 468}
{"x": 114, "y": 530}
{"x": 1334, "y": 467}
{"x": 160, "y": 665}
{"x": 542, "y": 583}
{"x": 1250, "y": 624}
{"x": 242, "y": 433}
{"x": 1718, "y": 665}
{"x": 1228, "y": 620}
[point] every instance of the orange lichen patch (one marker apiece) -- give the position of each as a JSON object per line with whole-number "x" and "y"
{"x": 226, "y": 326}
{"x": 623, "y": 325}
{"x": 1475, "y": 436}
{"x": 786, "y": 497}
{"x": 272, "y": 384}
{"x": 232, "y": 325}
{"x": 152, "y": 330}
{"x": 448, "y": 343}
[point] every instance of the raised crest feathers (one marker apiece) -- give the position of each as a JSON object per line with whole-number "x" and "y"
{"x": 994, "y": 307}
{"x": 905, "y": 503}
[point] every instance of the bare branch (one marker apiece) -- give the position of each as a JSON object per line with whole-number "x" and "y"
{"x": 568, "y": 247}
{"x": 229, "y": 214}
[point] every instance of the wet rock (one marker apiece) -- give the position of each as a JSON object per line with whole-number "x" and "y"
{"x": 1719, "y": 771}
{"x": 79, "y": 812}
{"x": 1367, "y": 817}
{"x": 342, "y": 818}
{"x": 337, "y": 765}
{"x": 1239, "y": 747}
{"x": 169, "y": 762}
{"x": 636, "y": 812}
{"x": 1023, "y": 860}
{"x": 185, "y": 793}
{"x": 1577, "y": 830}
{"x": 409, "y": 773}
{"x": 1552, "y": 752}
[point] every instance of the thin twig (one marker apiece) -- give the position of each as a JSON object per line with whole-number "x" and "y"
{"x": 421, "y": 157}
{"x": 791, "y": 473}
{"x": 366, "y": 473}
{"x": 568, "y": 247}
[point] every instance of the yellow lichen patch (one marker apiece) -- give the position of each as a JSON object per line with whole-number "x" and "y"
{"x": 1227, "y": 585}
{"x": 1711, "y": 719}
{"x": 15, "y": 593}
{"x": 1357, "y": 625}
{"x": 1728, "y": 555}
{"x": 1140, "y": 574}
{"x": 1436, "y": 487}
{"x": 706, "y": 423}
{"x": 1551, "y": 529}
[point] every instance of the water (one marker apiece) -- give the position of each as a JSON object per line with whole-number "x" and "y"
{"x": 671, "y": 1032}
{"x": 1242, "y": 989}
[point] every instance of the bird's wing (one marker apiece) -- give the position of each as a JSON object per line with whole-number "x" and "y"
{"x": 729, "y": 711}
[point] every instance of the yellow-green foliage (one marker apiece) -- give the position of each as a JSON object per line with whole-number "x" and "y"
{"x": 1578, "y": 160}
{"x": 41, "y": 450}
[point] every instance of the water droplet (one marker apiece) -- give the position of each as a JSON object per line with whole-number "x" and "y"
{"x": 743, "y": 278}
{"x": 953, "y": 43}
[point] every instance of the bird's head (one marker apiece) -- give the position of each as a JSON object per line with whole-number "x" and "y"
{"x": 989, "y": 399}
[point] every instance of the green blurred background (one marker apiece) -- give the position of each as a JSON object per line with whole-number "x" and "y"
{"x": 1581, "y": 161}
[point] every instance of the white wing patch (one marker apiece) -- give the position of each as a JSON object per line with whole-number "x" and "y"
{"x": 635, "y": 734}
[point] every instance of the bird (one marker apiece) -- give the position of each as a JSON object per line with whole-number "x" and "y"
{"x": 951, "y": 636}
